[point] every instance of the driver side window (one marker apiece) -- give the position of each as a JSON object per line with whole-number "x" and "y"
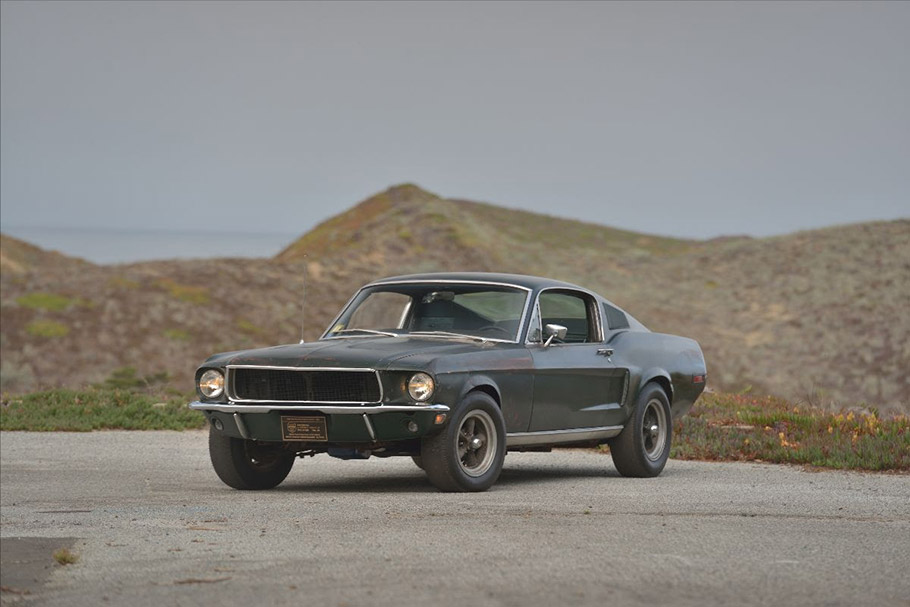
{"x": 575, "y": 311}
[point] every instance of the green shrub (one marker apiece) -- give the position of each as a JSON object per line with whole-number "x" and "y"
{"x": 177, "y": 334}
{"x": 248, "y": 326}
{"x": 47, "y": 328}
{"x": 97, "y": 409}
{"x": 125, "y": 378}
{"x": 45, "y": 301}
{"x": 123, "y": 283}
{"x": 51, "y": 302}
{"x": 187, "y": 293}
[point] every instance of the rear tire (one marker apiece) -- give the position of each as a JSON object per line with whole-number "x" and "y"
{"x": 246, "y": 464}
{"x": 642, "y": 448}
{"x": 418, "y": 461}
{"x": 467, "y": 454}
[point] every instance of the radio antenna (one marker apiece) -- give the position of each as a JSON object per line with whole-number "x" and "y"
{"x": 303, "y": 298}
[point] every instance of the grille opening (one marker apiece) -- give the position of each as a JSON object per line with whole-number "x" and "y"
{"x": 305, "y": 385}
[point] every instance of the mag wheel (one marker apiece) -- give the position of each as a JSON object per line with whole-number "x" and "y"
{"x": 247, "y": 464}
{"x": 467, "y": 454}
{"x": 643, "y": 447}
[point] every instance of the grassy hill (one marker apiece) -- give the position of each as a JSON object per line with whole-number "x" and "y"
{"x": 19, "y": 257}
{"x": 410, "y": 226}
{"x": 818, "y": 316}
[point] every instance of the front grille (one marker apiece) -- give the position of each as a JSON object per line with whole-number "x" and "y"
{"x": 305, "y": 385}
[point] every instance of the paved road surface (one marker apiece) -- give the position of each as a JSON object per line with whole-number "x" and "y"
{"x": 154, "y": 526}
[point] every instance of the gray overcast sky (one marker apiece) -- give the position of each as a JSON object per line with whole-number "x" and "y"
{"x": 674, "y": 118}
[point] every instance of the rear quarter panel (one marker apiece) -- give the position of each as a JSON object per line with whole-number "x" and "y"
{"x": 668, "y": 359}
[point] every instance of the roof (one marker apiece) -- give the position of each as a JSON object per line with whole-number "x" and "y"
{"x": 520, "y": 280}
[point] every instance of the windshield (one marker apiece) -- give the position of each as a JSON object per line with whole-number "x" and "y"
{"x": 444, "y": 310}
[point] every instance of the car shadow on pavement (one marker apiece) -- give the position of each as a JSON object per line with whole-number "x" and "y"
{"x": 514, "y": 476}
{"x": 416, "y": 482}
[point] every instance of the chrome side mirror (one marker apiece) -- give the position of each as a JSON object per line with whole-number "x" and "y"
{"x": 554, "y": 331}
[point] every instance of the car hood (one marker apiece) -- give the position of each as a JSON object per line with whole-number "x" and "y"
{"x": 356, "y": 352}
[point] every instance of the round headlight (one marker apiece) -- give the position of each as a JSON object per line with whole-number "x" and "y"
{"x": 211, "y": 383}
{"x": 421, "y": 386}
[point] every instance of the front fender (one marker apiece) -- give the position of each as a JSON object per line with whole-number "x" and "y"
{"x": 475, "y": 381}
{"x": 510, "y": 390}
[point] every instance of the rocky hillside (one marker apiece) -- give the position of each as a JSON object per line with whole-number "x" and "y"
{"x": 818, "y": 316}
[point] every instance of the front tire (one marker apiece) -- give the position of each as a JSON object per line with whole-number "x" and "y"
{"x": 246, "y": 464}
{"x": 642, "y": 448}
{"x": 467, "y": 454}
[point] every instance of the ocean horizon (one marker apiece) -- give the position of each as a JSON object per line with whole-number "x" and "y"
{"x": 113, "y": 246}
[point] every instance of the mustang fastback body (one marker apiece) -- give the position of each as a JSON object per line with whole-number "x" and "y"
{"x": 453, "y": 370}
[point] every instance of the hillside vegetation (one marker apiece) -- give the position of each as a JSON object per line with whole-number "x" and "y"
{"x": 721, "y": 427}
{"x": 19, "y": 257}
{"x": 817, "y": 316}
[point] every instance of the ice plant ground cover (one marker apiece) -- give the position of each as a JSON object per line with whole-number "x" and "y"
{"x": 742, "y": 427}
{"x": 721, "y": 427}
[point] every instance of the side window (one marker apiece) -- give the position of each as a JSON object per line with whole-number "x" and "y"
{"x": 616, "y": 319}
{"x": 572, "y": 310}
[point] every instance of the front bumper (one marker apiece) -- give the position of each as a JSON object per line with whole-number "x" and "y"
{"x": 331, "y": 409}
{"x": 345, "y": 425}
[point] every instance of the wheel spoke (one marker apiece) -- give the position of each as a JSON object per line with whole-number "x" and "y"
{"x": 476, "y": 443}
{"x": 654, "y": 430}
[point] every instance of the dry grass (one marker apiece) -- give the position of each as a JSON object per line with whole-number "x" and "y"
{"x": 64, "y": 556}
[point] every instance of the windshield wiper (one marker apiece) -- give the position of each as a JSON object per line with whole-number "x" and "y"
{"x": 370, "y": 331}
{"x": 450, "y": 334}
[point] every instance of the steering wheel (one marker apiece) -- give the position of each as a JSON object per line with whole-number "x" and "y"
{"x": 496, "y": 328}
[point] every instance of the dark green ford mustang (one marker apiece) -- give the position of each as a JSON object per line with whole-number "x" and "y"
{"x": 453, "y": 370}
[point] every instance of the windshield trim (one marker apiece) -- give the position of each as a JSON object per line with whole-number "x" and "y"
{"x": 444, "y": 281}
{"x": 456, "y": 335}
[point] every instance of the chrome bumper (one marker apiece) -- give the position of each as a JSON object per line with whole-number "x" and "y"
{"x": 329, "y": 409}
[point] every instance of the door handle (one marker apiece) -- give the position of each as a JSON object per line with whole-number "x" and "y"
{"x": 605, "y": 352}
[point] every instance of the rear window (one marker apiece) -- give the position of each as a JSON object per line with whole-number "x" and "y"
{"x": 616, "y": 318}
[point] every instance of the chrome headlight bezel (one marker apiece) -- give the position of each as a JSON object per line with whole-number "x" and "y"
{"x": 211, "y": 383}
{"x": 421, "y": 387}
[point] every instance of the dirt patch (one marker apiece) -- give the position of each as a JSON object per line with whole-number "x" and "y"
{"x": 26, "y": 563}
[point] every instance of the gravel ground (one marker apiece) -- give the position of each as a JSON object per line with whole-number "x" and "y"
{"x": 154, "y": 526}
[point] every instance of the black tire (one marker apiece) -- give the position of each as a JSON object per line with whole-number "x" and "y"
{"x": 467, "y": 454}
{"x": 247, "y": 464}
{"x": 418, "y": 461}
{"x": 642, "y": 448}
